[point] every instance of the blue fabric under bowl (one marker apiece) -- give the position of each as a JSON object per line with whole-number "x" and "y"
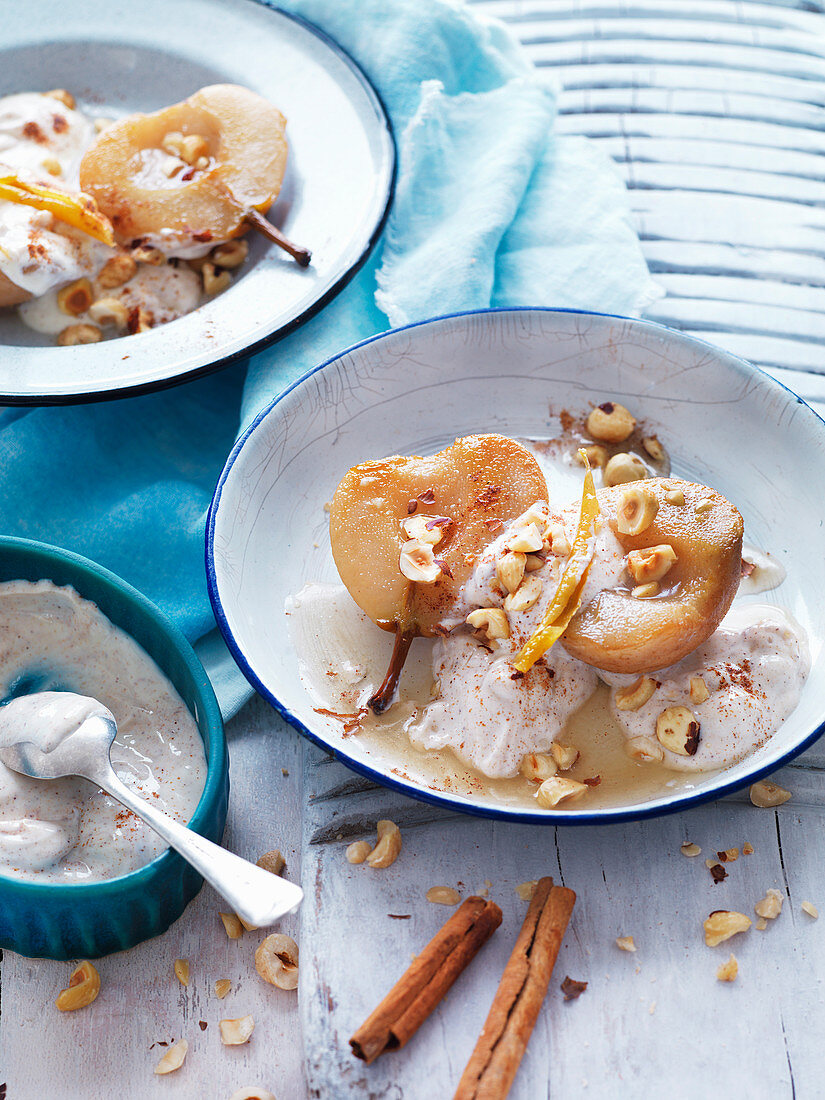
{"x": 71, "y": 921}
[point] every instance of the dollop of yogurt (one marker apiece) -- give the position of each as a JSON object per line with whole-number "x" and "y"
{"x": 45, "y": 718}
{"x": 753, "y": 667}
{"x": 490, "y": 714}
{"x": 54, "y": 644}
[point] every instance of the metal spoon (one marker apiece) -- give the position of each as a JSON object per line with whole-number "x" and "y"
{"x": 256, "y": 895}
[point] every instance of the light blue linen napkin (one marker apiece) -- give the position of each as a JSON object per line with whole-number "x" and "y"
{"x": 491, "y": 208}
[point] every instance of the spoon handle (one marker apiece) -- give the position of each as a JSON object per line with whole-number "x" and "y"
{"x": 256, "y": 895}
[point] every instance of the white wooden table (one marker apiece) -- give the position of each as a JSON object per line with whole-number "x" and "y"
{"x": 715, "y": 112}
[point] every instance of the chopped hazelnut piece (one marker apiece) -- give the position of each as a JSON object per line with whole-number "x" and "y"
{"x": 724, "y": 923}
{"x": 623, "y": 468}
{"x": 214, "y": 279}
{"x": 252, "y": 1094}
{"x": 698, "y": 690}
{"x": 73, "y": 335}
{"x": 675, "y": 497}
{"x": 610, "y": 422}
{"x": 222, "y": 987}
{"x": 421, "y": 528}
{"x": 727, "y": 971}
{"x": 417, "y": 562}
{"x": 182, "y": 971}
{"x": 525, "y": 890}
{"x": 702, "y": 507}
{"x": 537, "y": 766}
{"x": 747, "y": 849}
{"x": 109, "y": 311}
{"x": 690, "y": 849}
{"x": 625, "y": 943}
{"x": 276, "y": 960}
{"x": 62, "y": 96}
{"x": 678, "y": 731}
{"x": 272, "y": 861}
{"x": 557, "y": 789}
{"x": 654, "y": 448}
{"x": 635, "y": 695}
{"x": 232, "y": 924}
{"x": 388, "y": 848}
{"x": 572, "y": 988}
{"x": 564, "y": 755}
{"x": 525, "y": 596}
{"x": 236, "y": 1032}
{"x": 644, "y": 750}
{"x": 83, "y": 988}
{"x": 766, "y": 795}
{"x": 651, "y": 563}
{"x": 443, "y": 895}
{"x": 729, "y": 855}
{"x": 596, "y": 456}
{"x": 173, "y": 1059}
{"x": 528, "y": 540}
{"x": 145, "y": 254}
{"x": 76, "y": 297}
{"x": 636, "y": 511}
{"x": 761, "y": 924}
{"x": 645, "y": 591}
{"x": 809, "y": 908}
{"x": 770, "y": 906}
{"x": 116, "y": 271}
{"x": 231, "y": 254}
{"x": 492, "y": 620}
{"x": 358, "y": 851}
{"x": 510, "y": 569}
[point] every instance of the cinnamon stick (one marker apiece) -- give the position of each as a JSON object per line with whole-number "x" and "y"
{"x": 421, "y": 987}
{"x": 515, "y": 1008}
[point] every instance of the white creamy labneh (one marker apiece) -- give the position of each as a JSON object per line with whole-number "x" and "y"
{"x": 66, "y": 830}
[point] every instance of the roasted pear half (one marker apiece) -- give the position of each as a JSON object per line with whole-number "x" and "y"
{"x": 400, "y": 518}
{"x": 621, "y": 632}
{"x": 242, "y": 163}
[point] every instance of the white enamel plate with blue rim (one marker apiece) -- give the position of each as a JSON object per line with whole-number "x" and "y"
{"x": 117, "y": 58}
{"x": 414, "y": 390}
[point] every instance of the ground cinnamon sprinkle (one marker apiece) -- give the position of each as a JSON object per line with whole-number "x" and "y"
{"x": 351, "y": 722}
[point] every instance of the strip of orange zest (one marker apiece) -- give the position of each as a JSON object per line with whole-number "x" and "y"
{"x": 79, "y": 211}
{"x": 568, "y": 597}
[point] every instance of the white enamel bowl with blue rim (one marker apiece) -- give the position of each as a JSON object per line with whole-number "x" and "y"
{"x": 414, "y": 390}
{"x": 117, "y": 59}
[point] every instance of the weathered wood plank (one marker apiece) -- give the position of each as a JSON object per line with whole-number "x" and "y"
{"x": 631, "y": 880}
{"x": 106, "y": 1050}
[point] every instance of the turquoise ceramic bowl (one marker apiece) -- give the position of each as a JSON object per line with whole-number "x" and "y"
{"x": 87, "y": 920}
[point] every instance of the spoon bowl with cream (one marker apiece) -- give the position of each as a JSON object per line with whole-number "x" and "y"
{"x": 80, "y": 874}
{"x": 56, "y": 735}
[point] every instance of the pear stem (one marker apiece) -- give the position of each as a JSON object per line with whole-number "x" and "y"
{"x": 302, "y": 256}
{"x": 386, "y": 693}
